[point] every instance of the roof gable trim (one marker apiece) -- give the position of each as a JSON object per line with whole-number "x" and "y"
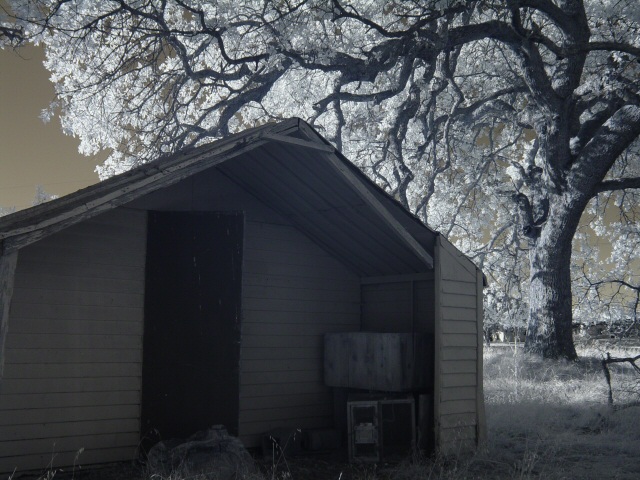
{"x": 142, "y": 181}
{"x": 363, "y": 192}
{"x": 300, "y": 143}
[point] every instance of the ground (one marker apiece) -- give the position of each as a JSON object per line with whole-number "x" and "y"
{"x": 551, "y": 419}
{"x": 546, "y": 420}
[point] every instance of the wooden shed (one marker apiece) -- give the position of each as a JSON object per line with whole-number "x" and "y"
{"x": 198, "y": 289}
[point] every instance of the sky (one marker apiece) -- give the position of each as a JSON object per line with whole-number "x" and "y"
{"x": 31, "y": 152}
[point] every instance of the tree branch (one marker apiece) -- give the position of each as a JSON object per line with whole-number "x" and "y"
{"x": 14, "y": 35}
{"x": 587, "y": 130}
{"x": 417, "y": 28}
{"x": 619, "y": 184}
{"x": 607, "y": 374}
{"x": 548, "y": 8}
{"x": 612, "y": 47}
{"x": 599, "y": 154}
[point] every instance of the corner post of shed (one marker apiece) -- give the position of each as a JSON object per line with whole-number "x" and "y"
{"x": 437, "y": 334}
{"x": 8, "y": 261}
{"x": 481, "y": 421}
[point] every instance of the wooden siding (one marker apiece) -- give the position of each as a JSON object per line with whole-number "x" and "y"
{"x": 8, "y": 261}
{"x": 388, "y": 307}
{"x": 424, "y": 306}
{"x": 73, "y": 350}
{"x": 293, "y": 293}
{"x": 458, "y": 373}
{"x": 78, "y": 289}
{"x": 398, "y": 305}
{"x": 480, "y": 410}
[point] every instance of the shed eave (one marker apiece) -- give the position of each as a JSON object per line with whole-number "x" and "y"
{"x": 384, "y": 219}
{"x": 367, "y": 195}
{"x": 29, "y": 225}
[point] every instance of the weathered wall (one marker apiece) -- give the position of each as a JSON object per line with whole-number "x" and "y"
{"x": 401, "y": 305}
{"x": 458, "y": 355}
{"x": 73, "y": 357}
{"x": 75, "y": 331}
{"x": 293, "y": 292}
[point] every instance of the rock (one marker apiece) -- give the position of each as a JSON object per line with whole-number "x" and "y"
{"x": 211, "y": 454}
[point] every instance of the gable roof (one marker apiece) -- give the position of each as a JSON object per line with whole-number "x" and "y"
{"x": 289, "y": 167}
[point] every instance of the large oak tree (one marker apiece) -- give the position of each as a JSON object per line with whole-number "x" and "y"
{"x": 518, "y": 115}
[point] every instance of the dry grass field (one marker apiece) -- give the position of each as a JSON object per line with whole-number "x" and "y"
{"x": 550, "y": 420}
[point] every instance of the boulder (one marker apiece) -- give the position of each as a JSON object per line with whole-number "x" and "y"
{"x": 211, "y": 454}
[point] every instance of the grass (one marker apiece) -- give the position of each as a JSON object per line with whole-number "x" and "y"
{"x": 547, "y": 420}
{"x": 550, "y": 419}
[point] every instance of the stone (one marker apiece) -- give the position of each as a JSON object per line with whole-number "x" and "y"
{"x": 212, "y": 454}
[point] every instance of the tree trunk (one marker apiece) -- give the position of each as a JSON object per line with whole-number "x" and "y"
{"x": 550, "y": 299}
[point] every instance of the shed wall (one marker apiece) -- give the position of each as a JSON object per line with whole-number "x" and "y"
{"x": 398, "y": 305}
{"x": 293, "y": 292}
{"x": 457, "y": 348}
{"x": 388, "y": 307}
{"x": 73, "y": 353}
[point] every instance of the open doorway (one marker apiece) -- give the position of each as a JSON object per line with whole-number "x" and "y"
{"x": 192, "y": 323}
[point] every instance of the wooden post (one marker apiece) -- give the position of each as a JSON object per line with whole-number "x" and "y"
{"x": 481, "y": 420}
{"x": 8, "y": 261}
{"x": 437, "y": 355}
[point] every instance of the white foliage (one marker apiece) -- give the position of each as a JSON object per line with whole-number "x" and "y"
{"x": 453, "y": 136}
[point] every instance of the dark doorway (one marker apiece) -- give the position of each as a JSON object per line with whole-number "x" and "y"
{"x": 192, "y": 323}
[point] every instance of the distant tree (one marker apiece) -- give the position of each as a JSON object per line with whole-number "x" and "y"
{"x": 42, "y": 196}
{"x": 519, "y": 114}
{"x": 6, "y": 210}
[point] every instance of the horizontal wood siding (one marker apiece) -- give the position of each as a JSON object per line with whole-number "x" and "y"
{"x": 424, "y": 304}
{"x": 293, "y": 293}
{"x": 73, "y": 359}
{"x": 398, "y": 306}
{"x": 457, "y": 350}
{"x": 387, "y": 307}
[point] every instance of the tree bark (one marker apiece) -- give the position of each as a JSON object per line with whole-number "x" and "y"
{"x": 550, "y": 300}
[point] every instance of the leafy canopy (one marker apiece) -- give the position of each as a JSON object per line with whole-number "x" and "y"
{"x": 471, "y": 113}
